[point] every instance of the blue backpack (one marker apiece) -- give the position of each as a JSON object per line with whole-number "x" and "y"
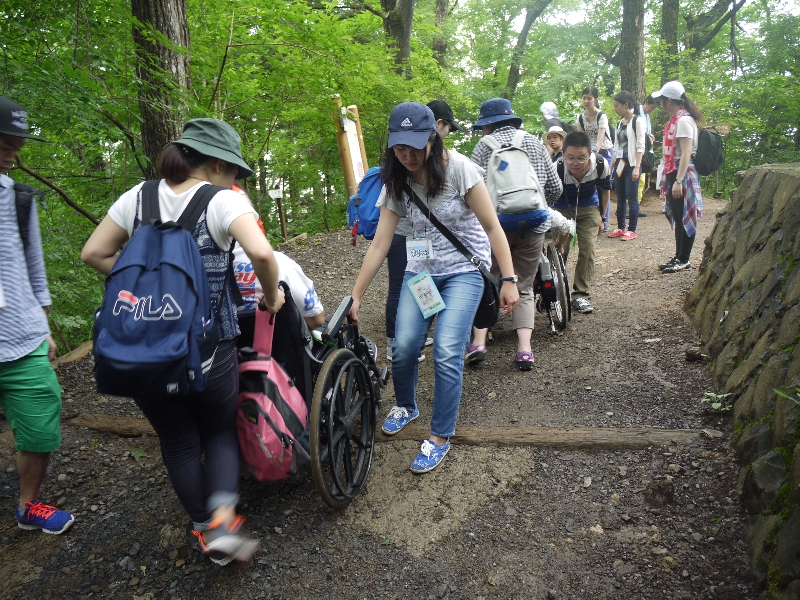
{"x": 155, "y": 333}
{"x": 362, "y": 214}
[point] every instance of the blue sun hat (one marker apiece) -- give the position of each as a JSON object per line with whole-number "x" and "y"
{"x": 410, "y": 124}
{"x": 496, "y": 110}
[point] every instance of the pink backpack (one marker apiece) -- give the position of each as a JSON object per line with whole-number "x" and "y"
{"x": 271, "y": 413}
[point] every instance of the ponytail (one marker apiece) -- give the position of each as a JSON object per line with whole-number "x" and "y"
{"x": 693, "y": 109}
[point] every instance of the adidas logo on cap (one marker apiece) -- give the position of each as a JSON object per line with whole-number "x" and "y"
{"x": 406, "y": 123}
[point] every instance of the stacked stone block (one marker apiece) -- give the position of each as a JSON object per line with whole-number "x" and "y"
{"x": 745, "y": 306}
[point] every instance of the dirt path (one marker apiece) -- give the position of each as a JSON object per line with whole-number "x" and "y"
{"x": 492, "y": 522}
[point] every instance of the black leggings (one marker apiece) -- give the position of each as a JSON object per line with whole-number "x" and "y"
{"x": 683, "y": 242}
{"x": 198, "y": 438}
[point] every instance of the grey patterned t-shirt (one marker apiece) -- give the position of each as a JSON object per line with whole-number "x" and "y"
{"x": 452, "y": 210}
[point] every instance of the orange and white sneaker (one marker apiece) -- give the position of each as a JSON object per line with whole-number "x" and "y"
{"x": 223, "y": 542}
{"x": 629, "y": 235}
{"x": 617, "y": 233}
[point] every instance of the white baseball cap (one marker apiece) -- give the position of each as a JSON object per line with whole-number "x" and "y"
{"x": 671, "y": 89}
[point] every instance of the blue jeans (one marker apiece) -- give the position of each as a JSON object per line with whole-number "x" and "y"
{"x": 609, "y": 156}
{"x": 461, "y": 293}
{"x": 627, "y": 191}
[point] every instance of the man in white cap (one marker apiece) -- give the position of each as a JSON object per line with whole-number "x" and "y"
{"x": 29, "y": 392}
{"x": 554, "y": 141}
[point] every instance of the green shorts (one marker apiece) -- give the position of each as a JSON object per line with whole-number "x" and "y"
{"x": 31, "y": 398}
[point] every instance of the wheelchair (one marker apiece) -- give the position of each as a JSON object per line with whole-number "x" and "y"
{"x": 335, "y": 370}
{"x": 551, "y": 288}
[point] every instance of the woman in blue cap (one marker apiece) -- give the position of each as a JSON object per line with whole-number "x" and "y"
{"x": 439, "y": 280}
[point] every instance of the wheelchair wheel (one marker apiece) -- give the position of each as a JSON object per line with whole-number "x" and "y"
{"x": 343, "y": 418}
{"x": 563, "y": 267}
{"x": 560, "y": 308}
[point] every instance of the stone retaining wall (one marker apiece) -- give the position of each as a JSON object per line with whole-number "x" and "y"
{"x": 745, "y": 306}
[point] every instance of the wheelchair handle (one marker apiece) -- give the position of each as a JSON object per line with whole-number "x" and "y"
{"x": 337, "y": 319}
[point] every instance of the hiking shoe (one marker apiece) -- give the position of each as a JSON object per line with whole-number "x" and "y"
{"x": 669, "y": 263}
{"x": 429, "y": 341}
{"x": 45, "y": 517}
{"x": 397, "y": 419}
{"x": 223, "y": 543}
{"x": 430, "y": 456}
{"x": 524, "y": 360}
{"x": 642, "y": 214}
{"x": 617, "y": 233}
{"x": 605, "y": 227}
{"x": 629, "y": 235}
{"x": 475, "y": 354}
{"x": 677, "y": 266}
{"x": 582, "y": 305}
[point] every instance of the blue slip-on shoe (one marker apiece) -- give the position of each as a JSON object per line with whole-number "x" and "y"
{"x": 43, "y": 516}
{"x": 398, "y": 418}
{"x": 429, "y": 457}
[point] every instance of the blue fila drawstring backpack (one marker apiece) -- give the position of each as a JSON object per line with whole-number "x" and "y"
{"x": 155, "y": 333}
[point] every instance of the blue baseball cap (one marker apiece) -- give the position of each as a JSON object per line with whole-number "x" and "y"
{"x": 410, "y": 124}
{"x": 496, "y": 110}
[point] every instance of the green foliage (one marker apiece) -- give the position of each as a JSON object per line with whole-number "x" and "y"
{"x": 270, "y": 68}
{"x": 717, "y": 402}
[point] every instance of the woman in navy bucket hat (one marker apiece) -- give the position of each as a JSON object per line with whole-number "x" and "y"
{"x": 496, "y": 110}
{"x": 453, "y": 189}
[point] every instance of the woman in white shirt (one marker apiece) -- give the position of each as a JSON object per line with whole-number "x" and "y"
{"x": 594, "y": 123}
{"x": 628, "y": 148}
{"x": 681, "y": 184}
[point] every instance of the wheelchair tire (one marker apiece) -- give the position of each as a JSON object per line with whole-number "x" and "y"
{"x": 560, "y": 308}
{"x": 563, "y": 266}
{"x": 342, "y": 422}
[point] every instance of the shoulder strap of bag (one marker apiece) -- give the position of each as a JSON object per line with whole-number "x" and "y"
{"x": 491, "y": 141}
{"x": 580, "y": 120}
{"x": 151, "y": 212}
{"x": 198, "y": 204}
{"x": 446, "y": 232}
{"x": 518, "y": 139}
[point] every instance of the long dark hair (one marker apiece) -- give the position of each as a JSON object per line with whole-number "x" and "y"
{"x": 592, "y": 91}
{"x": 627, "y": 99}
{"x": 693, "y": 109}
{"x": 177, "y": 162}
{"x": 395, "y": 175}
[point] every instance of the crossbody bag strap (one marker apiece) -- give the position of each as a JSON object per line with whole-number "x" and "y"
{"x": 151, "y": 212}
{"x": 443, "y": 229}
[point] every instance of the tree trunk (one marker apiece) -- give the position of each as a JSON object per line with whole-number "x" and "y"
{"x": 669, "y": 39}
{"x": 398, "y": 23}
{"x": 163, "y": 71}
{"x": 631, "y": 48}
{"x": 439, "y": 45}
{"x": 532, "y": 12}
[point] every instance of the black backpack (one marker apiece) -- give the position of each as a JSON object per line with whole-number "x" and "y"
{"x": 598, "y": 158}
{"x": 567, "y": 127}
{"x": 709, "y": 156}
{"x": 23, "y": 199}
{"x": 648, "y": 158}
{"x": 609, "y": 129}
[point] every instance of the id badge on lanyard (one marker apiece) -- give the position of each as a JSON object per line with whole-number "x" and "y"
{"x": 419, "y": 249}
{"x": 425, "y": 293}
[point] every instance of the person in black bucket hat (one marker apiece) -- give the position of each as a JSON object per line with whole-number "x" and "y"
{"x": 197, "y": 432}
{"x": 30, "y": 395}
{"x": 494, "y": 112}
{"x": 445, "y": 121}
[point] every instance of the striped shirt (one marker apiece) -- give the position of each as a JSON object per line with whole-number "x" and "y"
{"x": 23, "y": 324}
{"x": 540, "y": 159}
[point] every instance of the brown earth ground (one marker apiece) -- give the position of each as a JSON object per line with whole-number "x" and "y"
{"x": 491, "y": 522}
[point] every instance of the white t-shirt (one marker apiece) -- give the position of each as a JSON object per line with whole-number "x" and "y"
{"x": 225, "y": 207}
{"x": 687, "y": 128}
{"x": 592, "y": 128}
{"x": 303, "y": 293}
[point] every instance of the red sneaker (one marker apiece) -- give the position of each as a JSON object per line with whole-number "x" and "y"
{"x": 617, "y": 233}
{"x": 629, "y": 235}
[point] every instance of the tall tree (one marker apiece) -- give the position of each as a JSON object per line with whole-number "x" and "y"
{"x": 161, "y": 37}
{"x": 440, "y": 41}
{"x": 670, "y": 10}
{"x": 532, "y": 12}
{"x": 631, "y": 48}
